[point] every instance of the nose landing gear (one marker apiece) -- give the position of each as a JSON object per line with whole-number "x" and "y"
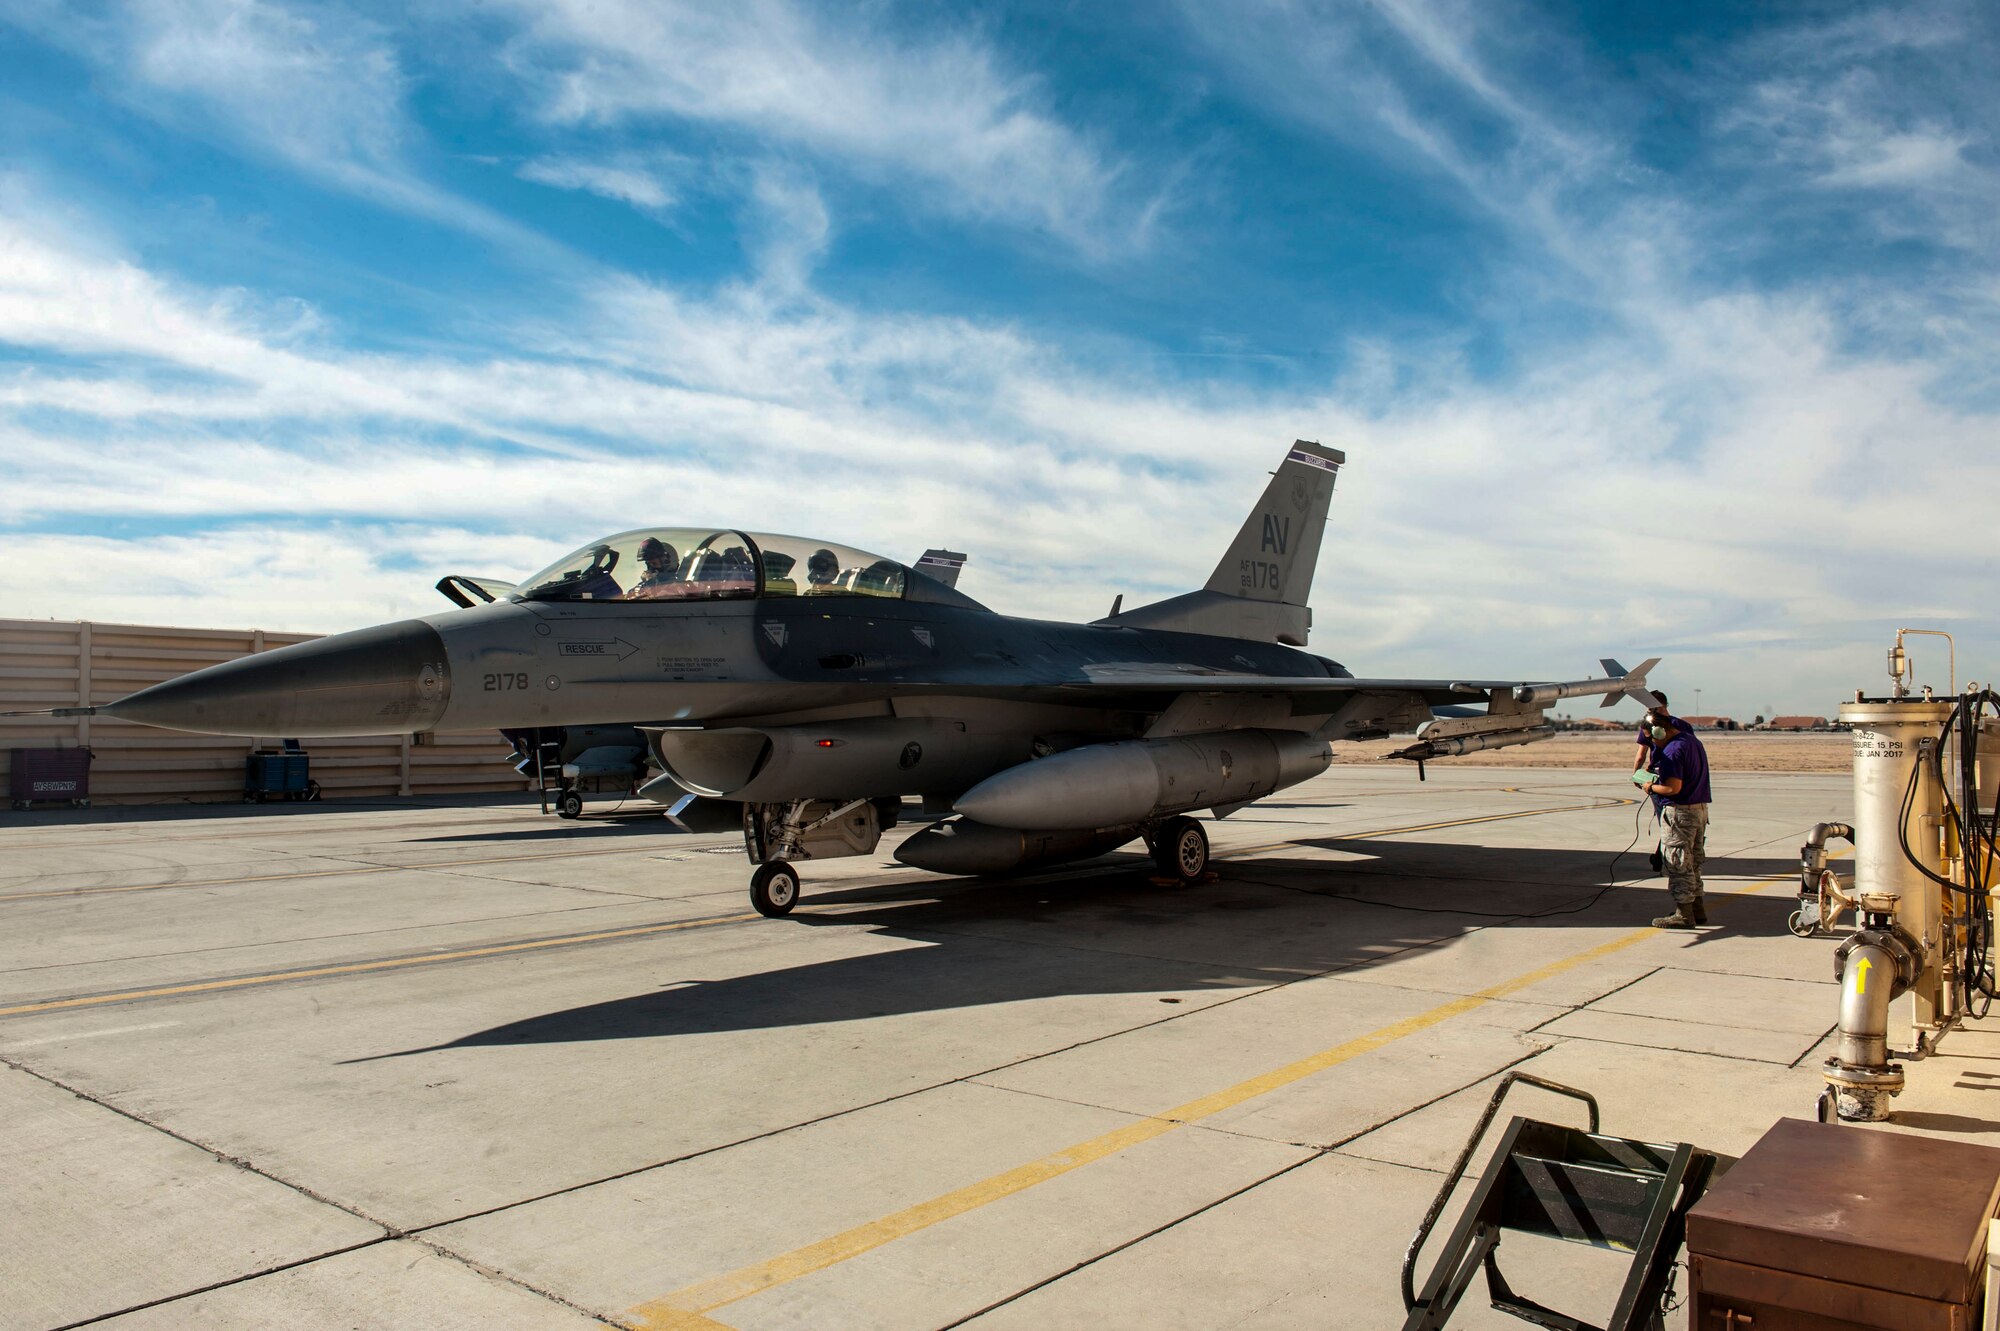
{"x": 776, "y": 835}
{"x": 774, "y": 889}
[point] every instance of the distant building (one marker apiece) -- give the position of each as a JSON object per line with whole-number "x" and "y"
{"x": 1712, "y": 722}
{"x": 1798, "y": 723}
{"x": 1564, "y": 722}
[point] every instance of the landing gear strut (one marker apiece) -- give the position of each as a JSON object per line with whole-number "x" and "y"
{"x": 775, "y": 835}
{"x": 1180, "y": 849}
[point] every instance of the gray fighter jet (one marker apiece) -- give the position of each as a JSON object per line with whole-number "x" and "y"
{"x": 811, "y": 687}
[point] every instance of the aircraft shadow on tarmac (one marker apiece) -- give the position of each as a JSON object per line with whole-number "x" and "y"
{"x": 649, "y": 823}
{"x": 1112, "y": 931}
{"x": 652, "y": 822}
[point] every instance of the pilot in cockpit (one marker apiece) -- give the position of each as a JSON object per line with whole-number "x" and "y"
{"x": 662, "y": 566}
{"x": 822, "y": 571}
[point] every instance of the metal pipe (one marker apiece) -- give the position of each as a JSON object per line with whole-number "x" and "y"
{"x": 1865, "y": 990}
{"x": 1812, "y": 855}
{"x": 1951, "y": 650}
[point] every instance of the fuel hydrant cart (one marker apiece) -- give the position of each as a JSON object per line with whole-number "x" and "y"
{"x": 49, "y": 776}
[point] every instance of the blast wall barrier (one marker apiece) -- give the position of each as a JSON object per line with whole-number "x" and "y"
{"x": 67, "y": 663}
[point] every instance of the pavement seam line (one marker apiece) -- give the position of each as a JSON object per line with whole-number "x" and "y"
{"x": 361, "y": 967}
{"x": 309, "y": 938}
{"x": 1313, "y": 1152}
{"x": 364, "y": 868}
{"x": 718, "y": 1291}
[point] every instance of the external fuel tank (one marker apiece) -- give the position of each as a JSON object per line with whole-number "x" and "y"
{"x": 1128, "y": 782}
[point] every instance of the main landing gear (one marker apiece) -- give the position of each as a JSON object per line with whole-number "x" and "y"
{"x": 1180, "y": 849}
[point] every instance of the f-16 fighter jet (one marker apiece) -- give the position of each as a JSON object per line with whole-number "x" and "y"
{"x": 813, "y": 686}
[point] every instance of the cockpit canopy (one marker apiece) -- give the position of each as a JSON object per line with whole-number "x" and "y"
{"x": 702, "y": 564}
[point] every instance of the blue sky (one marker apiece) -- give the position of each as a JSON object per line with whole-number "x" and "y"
{"x": 1648, "y": 329}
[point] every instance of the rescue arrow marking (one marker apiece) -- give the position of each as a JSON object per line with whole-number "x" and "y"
{"x": 1861, "y": 985}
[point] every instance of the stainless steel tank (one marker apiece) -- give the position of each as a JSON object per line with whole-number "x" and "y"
{"x": 1892, "y": 740}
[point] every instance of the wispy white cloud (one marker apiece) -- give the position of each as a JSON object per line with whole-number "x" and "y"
{"x": 318, "y": 89}
{"x": 626, "y": 181}
{"x": 944, "y": 115}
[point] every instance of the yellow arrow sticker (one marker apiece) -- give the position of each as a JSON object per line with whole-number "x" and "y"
{"x": 1861, "y": 985}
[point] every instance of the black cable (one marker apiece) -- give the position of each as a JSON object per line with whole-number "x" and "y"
{"x": 1974, "y": 953}
{"x": 1611, "y": 881}
{"x": 1610, "y": 874}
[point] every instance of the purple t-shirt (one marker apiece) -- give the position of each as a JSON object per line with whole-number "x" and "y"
{"x": 1683, "y": 757}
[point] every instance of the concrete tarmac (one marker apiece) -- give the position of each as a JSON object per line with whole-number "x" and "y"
{"x": 428, "y": 1066}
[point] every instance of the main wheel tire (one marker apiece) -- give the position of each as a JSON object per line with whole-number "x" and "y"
{"x": 570, "y": 805}
{"x": 774, "y": 889}
{"x": 1181, "y": 850}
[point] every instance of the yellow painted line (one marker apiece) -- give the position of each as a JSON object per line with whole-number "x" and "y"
{"x": 363, "y": 967}
{"x": 55, "y": 894}
{"x": 686, "y": 1308}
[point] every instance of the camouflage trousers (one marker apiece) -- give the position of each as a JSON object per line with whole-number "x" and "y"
{"x": 1684, "y": 848}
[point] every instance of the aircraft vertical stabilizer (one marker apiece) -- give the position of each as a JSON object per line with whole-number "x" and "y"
{"x": 1259, "y": 589}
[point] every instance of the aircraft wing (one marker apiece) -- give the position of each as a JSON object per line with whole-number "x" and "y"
{"x": 1193, "y": 699}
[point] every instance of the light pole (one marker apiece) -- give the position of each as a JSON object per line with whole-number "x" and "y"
{"x": 1697, "y": 702}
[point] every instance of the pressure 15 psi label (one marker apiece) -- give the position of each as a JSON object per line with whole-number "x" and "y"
{"x": 1869, "y": 744}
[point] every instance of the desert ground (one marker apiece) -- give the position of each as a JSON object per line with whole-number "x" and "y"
{"x": 1728, "y": 751}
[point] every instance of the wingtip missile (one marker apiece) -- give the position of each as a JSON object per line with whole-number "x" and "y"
{"x": 1622, "y": 683}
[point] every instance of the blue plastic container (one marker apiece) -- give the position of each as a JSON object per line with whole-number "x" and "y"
{"x": 285, "y": 775}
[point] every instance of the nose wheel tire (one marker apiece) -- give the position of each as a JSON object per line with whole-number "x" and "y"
{"x": 570, "y": 805}
{"x": 1180, "y": 848}
{"x": 774, "y": 889}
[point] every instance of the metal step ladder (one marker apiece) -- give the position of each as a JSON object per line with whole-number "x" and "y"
{"x": 1563, "y": 1183}
{"x": 537, "y": 755}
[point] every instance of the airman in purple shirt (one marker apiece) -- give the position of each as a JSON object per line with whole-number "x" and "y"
{"x": 1679, "y": 787}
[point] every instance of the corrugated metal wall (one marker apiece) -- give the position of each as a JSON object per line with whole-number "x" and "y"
{"x": 59, "y": 663}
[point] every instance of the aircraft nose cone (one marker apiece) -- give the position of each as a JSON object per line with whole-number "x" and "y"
{"x": 388, "y": 680}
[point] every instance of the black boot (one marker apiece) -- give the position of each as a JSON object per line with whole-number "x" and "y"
{"x": 1701, "y": 910}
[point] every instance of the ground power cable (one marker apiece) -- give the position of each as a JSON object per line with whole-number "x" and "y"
{"x": 1577, "y": 908}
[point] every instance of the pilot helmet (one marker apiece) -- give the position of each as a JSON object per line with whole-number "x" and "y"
{"x": 824, "y": 566}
